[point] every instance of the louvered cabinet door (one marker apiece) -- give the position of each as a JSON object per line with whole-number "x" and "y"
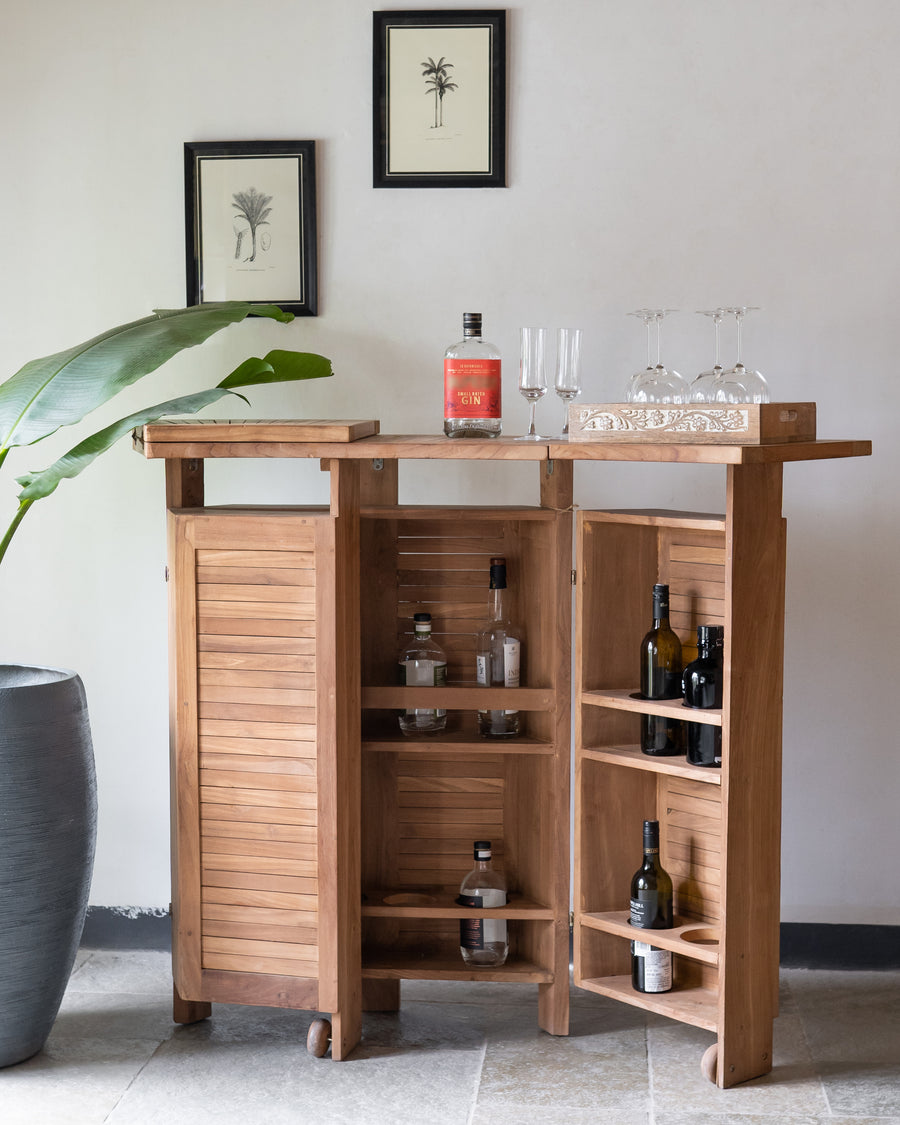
{"x": 256, "y": 670}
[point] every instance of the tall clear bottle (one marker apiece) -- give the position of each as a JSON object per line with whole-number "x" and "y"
{"x": 483, "y": 941}
{"x": 702, "y": 685}
{"x": 661, "y": 679}
{"x": 472, "y": 384}
{"x": 498, "y": 657}
{"x": 423, "y": 664}
{"x": 651, "y": 909}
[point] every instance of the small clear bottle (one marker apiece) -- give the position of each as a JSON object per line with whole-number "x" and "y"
{"x": 423, "y": 664}
{"x": 483, "y": 941}
{"x": 498, "y": 657}
{"x": 472, "y": 385}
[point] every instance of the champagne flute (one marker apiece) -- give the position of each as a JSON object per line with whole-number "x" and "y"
{"x": 739, "y": 383}
{"x": 568, "y": 370}
{"x": 532, "y": 374}
{"x": 703, "y": 388}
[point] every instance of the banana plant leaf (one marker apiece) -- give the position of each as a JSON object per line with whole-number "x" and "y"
{"x": 61, "y": 389}
{"x": 276, "y": 367}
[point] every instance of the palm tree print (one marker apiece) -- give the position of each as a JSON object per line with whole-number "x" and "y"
{"x": 253, "y": 206}
{"x": 437, "y": 81}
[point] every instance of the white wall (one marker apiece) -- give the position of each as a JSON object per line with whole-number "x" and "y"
{"x": 669, "y": 152}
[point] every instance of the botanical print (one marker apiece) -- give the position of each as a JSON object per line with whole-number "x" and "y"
{"x": 438, "y": 81}
{"x": 253, "y": 212}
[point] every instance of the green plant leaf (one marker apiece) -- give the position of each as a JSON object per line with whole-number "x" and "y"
{"x": 278, "y": 367}
{"x": 61, "y": 389}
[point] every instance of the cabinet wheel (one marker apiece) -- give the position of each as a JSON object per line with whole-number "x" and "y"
{"x": 318, "y": 1038}
{"x": 709, "y": 1064}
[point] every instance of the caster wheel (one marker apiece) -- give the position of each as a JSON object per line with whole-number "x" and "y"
{"x": 318, "y": 1038}
{"x": 709, "y": 1064}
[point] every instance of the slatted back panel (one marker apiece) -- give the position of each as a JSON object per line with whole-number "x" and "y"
{"x": 691, "y": 845}
{"x": 256, "y": 673}
{"x": 692, "y": 563}
{"x": 442, "y": 807}
{"x": 443, "y": 567}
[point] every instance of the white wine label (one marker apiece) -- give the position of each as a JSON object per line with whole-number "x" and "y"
{"x": 476, "y": 933}
{"x": 482, "y": 668}
{"x": 511, "y": 651}
{"x": 657, "y": 967}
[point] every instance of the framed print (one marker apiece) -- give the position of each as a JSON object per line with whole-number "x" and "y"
{"x": 250, "y": 223}
{"x": 439, "y": 99}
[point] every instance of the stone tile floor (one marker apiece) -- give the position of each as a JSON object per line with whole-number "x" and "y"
{"x": 455, "y": 1054}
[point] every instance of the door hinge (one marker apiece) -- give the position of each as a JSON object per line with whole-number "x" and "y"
{"x": 167, "y": 574}
{"x": 574, "y": 577}
{"x": 571, "y": 919}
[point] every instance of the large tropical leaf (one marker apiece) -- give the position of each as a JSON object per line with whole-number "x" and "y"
{"x": 276, "y": 367}
{"x": 61, "y": 389}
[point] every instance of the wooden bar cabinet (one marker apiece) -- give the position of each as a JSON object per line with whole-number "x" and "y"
{"x": 317, "y": 851}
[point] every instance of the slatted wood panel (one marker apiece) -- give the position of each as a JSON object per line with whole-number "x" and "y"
{"x": 691, "y": 846}
{"x": 256, "y": 692}
{"x": 443, "y": 567}
{"x": 443, "y": 806}
{"x": 693, "y": 565}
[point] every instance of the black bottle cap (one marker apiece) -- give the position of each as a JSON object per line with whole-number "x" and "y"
{"x": 480, "y": 847}
{"x": 707, "y": 635}
{"x": 422, "y": 617}
{"x": 472, "y": 324}
{"x": 651, "y": 834}
{"x": 660, "y": 600}
{"x": 498, "y": 574}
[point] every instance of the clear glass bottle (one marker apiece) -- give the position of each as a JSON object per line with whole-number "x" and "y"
{"x": 661, "y": 679}
{"x": 483, "y": 941}
{"x": 498, "y": 657}
{"x": 472, "y": 384}
{"x": 423, "y": 664}
{"x": 651, "y": 909}
{"x": 702, "y": 686}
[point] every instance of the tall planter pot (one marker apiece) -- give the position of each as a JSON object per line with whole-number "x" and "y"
{"x": 48, "y": 827}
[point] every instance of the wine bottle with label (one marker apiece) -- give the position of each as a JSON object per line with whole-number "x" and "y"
{"x": 702, "y": 685}
{"x": 472, "y": 384}
{"x": 423, "y": 664}
{"x": 651, "y": 909}
{"x": 498, "y": 656}
{"x": 483, "y": 941}
{"x": 661, "y": 679}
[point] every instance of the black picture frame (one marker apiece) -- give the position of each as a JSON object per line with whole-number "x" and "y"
{"x": 250, "y": 223}
{"x": 460, "y": 58}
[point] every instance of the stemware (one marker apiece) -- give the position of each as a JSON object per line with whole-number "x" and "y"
{"x": 659, "y": 383}
{"x": 568, "y": 370}
{"x": 703, "y": 388}
{"x": 739, "y": 383}
{"x": 648, "y": 317}
{"x": 532, "y": 374}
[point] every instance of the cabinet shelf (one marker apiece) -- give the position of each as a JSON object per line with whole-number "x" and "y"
{"x": 696, "y": 1006}
{"x": 628, "y": 699}
{"x": 632, "y": 757}
{"x": 460, "y": 742}
{"x": 465, "y": 697}
{"x": 429, "y": 902}
{"x": 688, "y": 938}
{"x": 387, "y": 965}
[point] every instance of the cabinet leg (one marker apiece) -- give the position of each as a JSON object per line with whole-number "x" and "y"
{"x": 346, "y": 1030}
{"x": 189, "y": 1011}
{"x": 553, "y": 1007}
{"x": 380, "y": 995}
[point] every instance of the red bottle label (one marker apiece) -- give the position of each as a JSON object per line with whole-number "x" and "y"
{"x": 472, "y": 388}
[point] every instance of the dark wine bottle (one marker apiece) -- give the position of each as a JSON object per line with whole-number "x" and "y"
{"x": 651, "y": 909}
{"x": 702, "y": 685}
{"x": 661, "y": 679}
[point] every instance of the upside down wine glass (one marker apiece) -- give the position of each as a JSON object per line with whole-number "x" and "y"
{"x": 532, "y": 374}
{"x": 739, "y": 383}
{"x": 703, "y": 388}
{"x": 657, "y": 384}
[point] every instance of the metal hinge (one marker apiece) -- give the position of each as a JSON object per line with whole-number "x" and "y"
{"x": 377, "y": 464}
{"x": 571, "y": 919}
{"x": 167, "y": 574}
{"x": 574, "y": 576}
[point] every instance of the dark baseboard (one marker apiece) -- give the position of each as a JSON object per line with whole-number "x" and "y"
{"x": 804, "y": 945}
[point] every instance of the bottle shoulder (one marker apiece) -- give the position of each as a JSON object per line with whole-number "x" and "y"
{"x": 472, "y": 347}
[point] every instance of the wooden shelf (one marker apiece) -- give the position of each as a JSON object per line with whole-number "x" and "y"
{"x": 677, "y": 938}
{"x": 431, "y": 902}
{"x": 628, "y": 699}
{"x": 460, "y": 742}
{"x": 387, "y": 965}
{"x": 633, "y": 758}
{"x": 696, "y": 1006}
{"x": 467, "y": 698}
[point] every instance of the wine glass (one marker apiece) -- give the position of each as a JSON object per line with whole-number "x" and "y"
{"x": 568, "y": 369}
{"x": 703, "y": 388}
{"x": 648, "y": 316}
{"x": 659, "y": 384}
{"x": 739, "y": 383}
{"x": 532, "y": 374}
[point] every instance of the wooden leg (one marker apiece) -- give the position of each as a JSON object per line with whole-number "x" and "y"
{"x": 346, "y": 1030}
{"x": 189, "y": 1011}
{"x": 380, "y": 995}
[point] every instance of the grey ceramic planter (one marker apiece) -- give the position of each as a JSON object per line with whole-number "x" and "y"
{"x": 48, "y": 825}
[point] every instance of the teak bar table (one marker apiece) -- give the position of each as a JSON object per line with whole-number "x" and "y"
{"x": 317, "y": 852}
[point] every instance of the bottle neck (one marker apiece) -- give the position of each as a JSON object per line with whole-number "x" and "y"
{"x": 497, "y": 603}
